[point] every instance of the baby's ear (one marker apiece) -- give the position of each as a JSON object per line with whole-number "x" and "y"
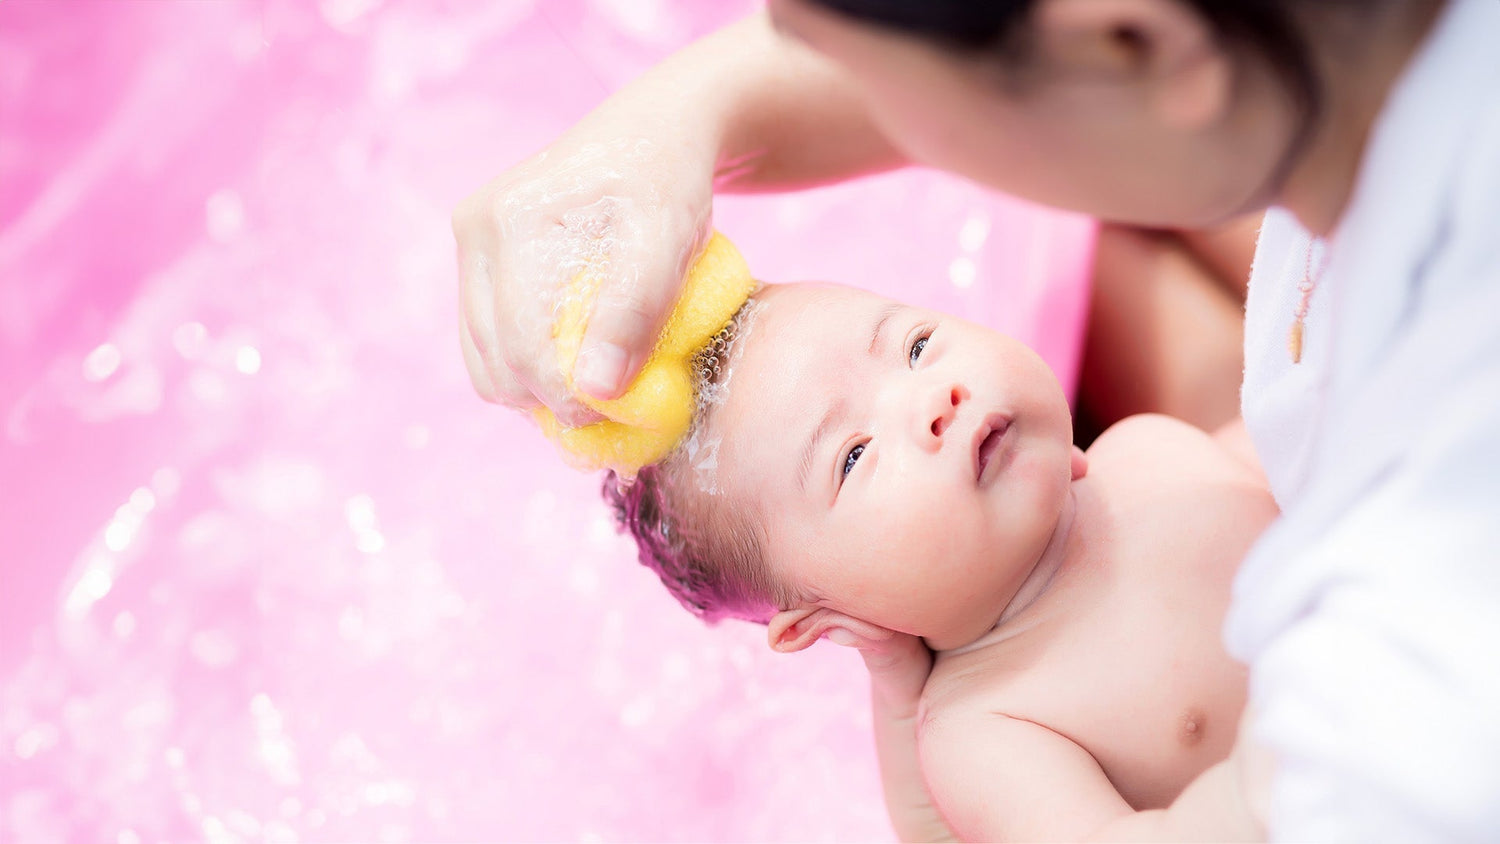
{"x": 793, "y": 630}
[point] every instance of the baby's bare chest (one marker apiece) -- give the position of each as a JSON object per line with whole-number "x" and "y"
{"x": 1127, "y": 660}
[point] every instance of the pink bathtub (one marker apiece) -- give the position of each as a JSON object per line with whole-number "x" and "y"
{"x": 268, "y": 569}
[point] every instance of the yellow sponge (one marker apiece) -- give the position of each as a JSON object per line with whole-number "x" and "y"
{"x": 646, "y": 423}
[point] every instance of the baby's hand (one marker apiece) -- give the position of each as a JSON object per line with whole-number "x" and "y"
{"x": 605, "y": 199}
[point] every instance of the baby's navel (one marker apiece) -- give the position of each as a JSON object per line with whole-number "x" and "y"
{"x": 1191, "y": 727}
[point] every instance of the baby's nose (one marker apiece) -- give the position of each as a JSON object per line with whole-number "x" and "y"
{"x": 941, "y": 407}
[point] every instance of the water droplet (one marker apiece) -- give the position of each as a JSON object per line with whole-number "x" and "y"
{"x": 213, "y": 648}
{"x": 165, "y": 481}
{"x": 976, "y": 229}
{"x": 417, "y": 436}
{"x": 225, "y": 211}
{"x": 360, "y": 511}
{"x": 35, "y": 740}
{"x": 142, "y": 500}
{"x": 189, "y": 338}
{"x": 247, "y": 360}
{"x": 962, "y": 272}
{"x": 101, "y": 363}
{"x": 124, "y": 624}
{"x": 94, "y": 584}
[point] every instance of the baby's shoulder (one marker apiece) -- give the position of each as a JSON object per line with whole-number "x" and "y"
{"x": 966, "y": 690}
{"x": 985, "y": 681}
{"x": 1155, "y": 444}
{"x": 1146, "y": 430}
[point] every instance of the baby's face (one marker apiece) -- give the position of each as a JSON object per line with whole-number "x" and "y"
{"x": 909, "y": 467}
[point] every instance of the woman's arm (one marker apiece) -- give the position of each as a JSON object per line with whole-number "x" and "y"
{"x": 743, "y": 109}
{"x": 1165, "y": 331}
{"x": 899, "y": 665}
{"x": 898, "y": 671}
{"x": 787, "y": 117}
{"x": 761, "y": 110}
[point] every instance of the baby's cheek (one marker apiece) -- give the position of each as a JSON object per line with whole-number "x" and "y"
{"x": 925, "y": 535}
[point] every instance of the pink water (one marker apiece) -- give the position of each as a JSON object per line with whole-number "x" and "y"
{"x": 268, "y": 569}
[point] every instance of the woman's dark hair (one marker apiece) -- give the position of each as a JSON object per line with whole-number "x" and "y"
{"x": 1266, "y": 27}
{"x": 968, "y": 24}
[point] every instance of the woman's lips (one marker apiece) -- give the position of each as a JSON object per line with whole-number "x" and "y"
{"x": 987, "y": 440}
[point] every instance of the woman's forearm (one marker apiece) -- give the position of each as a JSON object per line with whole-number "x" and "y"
{"x": 769, "y": 113}
{"x": 907, "y": 800}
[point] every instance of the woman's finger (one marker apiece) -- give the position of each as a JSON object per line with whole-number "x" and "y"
{"x": 547, "y": 386}
{"x": 634, "y": 302}
{"x": 479, "y": 375}
{"x": 898, "y": 668}
{"x": 479, "y": 337}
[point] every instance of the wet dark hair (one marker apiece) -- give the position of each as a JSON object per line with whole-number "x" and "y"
{"x": 706, "y": 547}
{"x": 707, "y": 553}
{"x": 1266, "y": 28}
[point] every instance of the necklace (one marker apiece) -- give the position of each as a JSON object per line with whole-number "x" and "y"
{"x": 1308, "y": 284}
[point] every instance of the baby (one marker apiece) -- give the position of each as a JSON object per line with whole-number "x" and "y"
{"x": 861, "y": 467}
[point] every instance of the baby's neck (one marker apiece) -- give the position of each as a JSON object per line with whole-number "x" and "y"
{"x": 1066, "y": 544}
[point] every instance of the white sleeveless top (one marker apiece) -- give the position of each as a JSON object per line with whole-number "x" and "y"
{"x": 1370, "y": 612}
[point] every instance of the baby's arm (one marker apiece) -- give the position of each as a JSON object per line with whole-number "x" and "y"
{"x": 997, "y": 778}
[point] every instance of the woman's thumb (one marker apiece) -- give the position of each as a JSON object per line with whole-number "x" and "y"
{"x": 628, "y": 314}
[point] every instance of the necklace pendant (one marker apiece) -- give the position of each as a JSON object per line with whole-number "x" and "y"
{"x": 1309, "y": 283}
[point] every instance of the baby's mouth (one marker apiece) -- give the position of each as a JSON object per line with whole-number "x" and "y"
{"x": 987, "y": 441}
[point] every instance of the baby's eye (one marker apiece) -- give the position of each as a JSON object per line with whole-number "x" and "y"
{"x": 916, "y": 349}
{"x": 851, "y": 459}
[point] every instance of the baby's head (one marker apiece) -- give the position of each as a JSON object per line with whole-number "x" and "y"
{"x": 857, "y": 463}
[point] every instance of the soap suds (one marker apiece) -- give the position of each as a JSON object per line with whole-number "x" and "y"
{"x": 713, "y": 370}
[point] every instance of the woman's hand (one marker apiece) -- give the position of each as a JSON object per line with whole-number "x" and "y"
{"x": 627, "y": 194}
{"x": 630, "y": 208}
{"x": 899, "y": 664}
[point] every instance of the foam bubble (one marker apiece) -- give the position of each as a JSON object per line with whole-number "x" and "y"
{"x": 713, "y": 369}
